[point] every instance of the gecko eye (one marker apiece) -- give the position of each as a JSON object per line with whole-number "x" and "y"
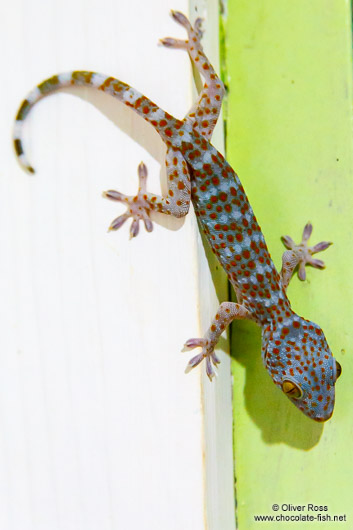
{"x": 338, "y": 369}
{"x": 291, "y": 389}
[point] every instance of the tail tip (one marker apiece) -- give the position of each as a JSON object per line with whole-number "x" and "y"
{"x": 26, "y": 166}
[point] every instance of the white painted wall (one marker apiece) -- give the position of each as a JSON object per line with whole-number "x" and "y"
{"x": 99, "y": 427}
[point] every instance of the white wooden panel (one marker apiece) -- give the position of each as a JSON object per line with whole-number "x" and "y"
{"x": 100, "y": 428}
{"x": 217, "y": 397}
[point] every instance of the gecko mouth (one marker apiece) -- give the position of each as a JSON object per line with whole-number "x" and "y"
{"x": 322, "y": 420}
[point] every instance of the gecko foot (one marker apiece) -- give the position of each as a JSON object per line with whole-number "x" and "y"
{"x": 193, "y": 33}
{"x": 305, "y": 252}
{"x": 137, "y": 206}
{"x": 206, "y": 353}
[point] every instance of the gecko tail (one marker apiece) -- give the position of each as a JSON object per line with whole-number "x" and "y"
{"x": 26, "y": 105}
{"x": 128, "y": 95}
{"x": 21, "y": 157}
{"x": 47, "y": 87}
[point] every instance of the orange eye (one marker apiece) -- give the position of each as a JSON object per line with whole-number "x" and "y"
{"x": 338, "y": 369}
{"x": 291, "y": 389}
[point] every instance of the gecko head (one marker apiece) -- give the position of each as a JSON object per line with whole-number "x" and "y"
{"x": 300, "y": 362}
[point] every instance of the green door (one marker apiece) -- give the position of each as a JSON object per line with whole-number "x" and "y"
{"x": 288, "y": 67}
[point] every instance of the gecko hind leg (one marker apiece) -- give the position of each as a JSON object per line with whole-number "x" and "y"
{"x": 300, "y": 255}
{"x": 227, "y": 312}
{"x": 137, "y": 206}
{"x": 176, "y": 203}
{"x": 204, "y": 113}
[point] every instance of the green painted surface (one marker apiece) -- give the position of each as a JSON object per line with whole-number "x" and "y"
{"x": 289, "y": 136}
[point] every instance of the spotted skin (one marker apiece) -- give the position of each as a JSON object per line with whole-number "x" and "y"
{"x": 294, "y": 350}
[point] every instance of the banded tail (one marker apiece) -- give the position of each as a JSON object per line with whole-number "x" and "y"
{"x": 148, "y": 110}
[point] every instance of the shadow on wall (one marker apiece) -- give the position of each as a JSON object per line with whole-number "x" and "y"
{"x": 137, "y": 129}
{"x": 279, "y": 420}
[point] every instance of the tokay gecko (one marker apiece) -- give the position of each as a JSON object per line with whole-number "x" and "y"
{"x": 294, "y": 350}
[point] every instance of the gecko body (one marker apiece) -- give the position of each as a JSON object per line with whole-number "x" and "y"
{"x": 294, "y": 350}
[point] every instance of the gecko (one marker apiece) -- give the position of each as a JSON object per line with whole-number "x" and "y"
{"x": 294, "y": 350}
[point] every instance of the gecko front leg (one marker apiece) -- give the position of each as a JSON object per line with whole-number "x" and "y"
{"x": 300, "y": 255}
{"x": 227, "y": 312}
